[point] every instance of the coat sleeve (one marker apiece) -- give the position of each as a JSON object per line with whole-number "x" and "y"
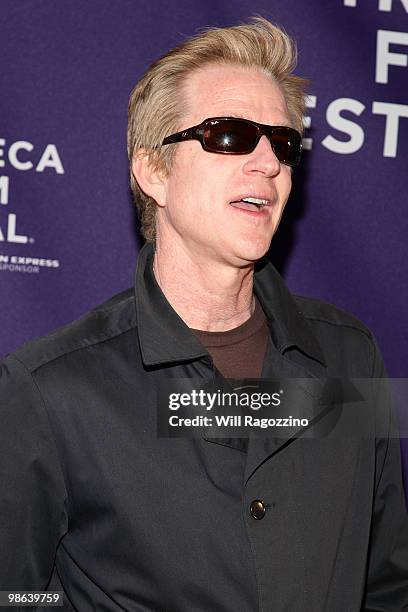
{"x": 32, "y": 492}
{"x": 387, "y": 577}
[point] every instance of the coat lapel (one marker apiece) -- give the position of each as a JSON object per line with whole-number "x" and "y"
{"x": 305, "y": 393}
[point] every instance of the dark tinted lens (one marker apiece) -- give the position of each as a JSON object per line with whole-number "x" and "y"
{"x": 229, "y": 136}
{"x": 286, "y": 145}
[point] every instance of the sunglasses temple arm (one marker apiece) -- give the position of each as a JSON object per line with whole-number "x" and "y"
{"x": 179, "y": 137}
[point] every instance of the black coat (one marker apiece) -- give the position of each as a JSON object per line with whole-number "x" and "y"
{"x": 91, "y": 498}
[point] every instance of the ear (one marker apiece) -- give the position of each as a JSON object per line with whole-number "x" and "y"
{"x": 150, "y": 180}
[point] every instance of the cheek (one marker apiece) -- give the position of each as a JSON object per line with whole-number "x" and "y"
{"x": 285, "y": 185}
{"x": 189, "y": 202}
{"x": 195, "y": 187}
{"x": 183, "y": 179}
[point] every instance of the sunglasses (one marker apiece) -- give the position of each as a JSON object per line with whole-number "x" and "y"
{"x": 234, "y": 136}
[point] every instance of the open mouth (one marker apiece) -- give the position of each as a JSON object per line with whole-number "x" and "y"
{"x": 251, "y": 204}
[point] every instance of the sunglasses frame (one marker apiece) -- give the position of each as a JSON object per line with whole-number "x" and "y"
{"x": 197, "y": 133}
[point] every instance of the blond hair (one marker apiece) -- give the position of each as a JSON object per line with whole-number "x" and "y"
{"x": 156, "y": 108}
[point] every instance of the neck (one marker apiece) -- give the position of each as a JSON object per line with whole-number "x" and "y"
{"x": 208, "y": 295}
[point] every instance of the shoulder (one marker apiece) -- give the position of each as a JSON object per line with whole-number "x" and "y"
{"x": 320, "y": 312}
{"x": 107, "y": 321}
{"x": 343, "y": 337}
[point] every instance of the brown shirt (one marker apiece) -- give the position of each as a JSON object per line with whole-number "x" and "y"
{"x": 239, "y": 352}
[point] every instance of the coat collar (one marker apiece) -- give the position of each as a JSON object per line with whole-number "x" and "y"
{"x": 165, "y": 338}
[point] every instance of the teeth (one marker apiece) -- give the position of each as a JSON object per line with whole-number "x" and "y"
{"x": 256, "y": 201}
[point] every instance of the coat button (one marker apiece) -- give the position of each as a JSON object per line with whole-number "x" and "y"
{"x": 257, "y": 509}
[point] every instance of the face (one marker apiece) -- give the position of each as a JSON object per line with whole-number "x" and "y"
{"x": 201, "y": 209}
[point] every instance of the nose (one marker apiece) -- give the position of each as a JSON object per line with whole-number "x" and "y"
{"x": 262, "y": 160}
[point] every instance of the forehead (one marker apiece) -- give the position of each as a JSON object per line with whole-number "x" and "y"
{"x": 228, "y": 90}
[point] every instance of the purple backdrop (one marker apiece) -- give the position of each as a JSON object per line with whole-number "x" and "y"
{"x": 66, "y": 70}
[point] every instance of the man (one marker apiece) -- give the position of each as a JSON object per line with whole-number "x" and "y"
{"x": 93, "y": 502}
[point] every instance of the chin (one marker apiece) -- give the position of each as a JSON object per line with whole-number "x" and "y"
{"x": 252, "y": 252}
